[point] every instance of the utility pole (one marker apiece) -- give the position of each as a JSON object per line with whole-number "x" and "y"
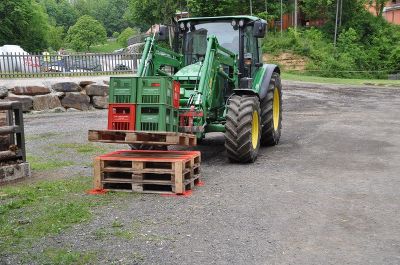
{"x": 336, "y": 22}
{"x": 251, "y": 7}
{"x": 281, "y": 17}
{"x": 295, "y": 14}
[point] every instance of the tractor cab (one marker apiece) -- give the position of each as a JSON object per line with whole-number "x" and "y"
{"x": 238, "y": 34}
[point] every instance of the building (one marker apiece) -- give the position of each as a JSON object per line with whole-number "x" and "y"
{"x": 392, "y": 12}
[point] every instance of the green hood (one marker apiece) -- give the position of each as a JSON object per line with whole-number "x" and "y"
{"x": 190, "y": 72}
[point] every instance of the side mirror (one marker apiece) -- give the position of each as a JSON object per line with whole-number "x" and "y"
{"x": 259, "y": 29}
{"x": 163, "y": 33}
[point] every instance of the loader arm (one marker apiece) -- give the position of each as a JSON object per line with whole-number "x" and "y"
{"x": 217, "y": 71}
{"x": 155, "y": 57}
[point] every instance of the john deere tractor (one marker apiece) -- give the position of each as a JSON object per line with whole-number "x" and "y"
{"x": 224, "y": 85}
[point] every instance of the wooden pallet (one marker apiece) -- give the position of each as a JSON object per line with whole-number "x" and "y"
{"x": 148, "y": 171}
{"x": 141, "y": 137}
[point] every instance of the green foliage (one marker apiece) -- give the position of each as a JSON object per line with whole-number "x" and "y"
{"x": 23, "y": 22}
{"x": 55, "y": 37}
{"x": 61, "y": 12}
{"x": 356, "y": 55}
{"x": 211, "y": 8}
{"x": 115, "y": 34}
{"x": 145, "y": 13}
{"x": 86, "y": 32}
{"x": 29, "y": 212}
{"x": 125, "y": 35}
{"x": 60, "y": 256}
{"x": 109, "y": 46}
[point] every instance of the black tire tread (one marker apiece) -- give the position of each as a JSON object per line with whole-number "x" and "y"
{"x": 270, "y": 136}
{"x": 238, "y": 128}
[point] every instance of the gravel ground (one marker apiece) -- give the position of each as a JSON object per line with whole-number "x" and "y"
{"x": 329, "y": 193}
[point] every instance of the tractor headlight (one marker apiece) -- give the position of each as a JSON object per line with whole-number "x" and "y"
{"x": 241, "y": 23}
{"x": 182, "y": 25}
{"x": 233, "y": 23}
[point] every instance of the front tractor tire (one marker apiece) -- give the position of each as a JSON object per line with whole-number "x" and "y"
{"x": 243, "y": 128}
{"x": 271, "y": 112}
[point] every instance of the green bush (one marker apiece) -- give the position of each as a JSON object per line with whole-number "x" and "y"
{"x": 372, "y": 51}
{"x": 125, "y": 35}
{"x": 115, "y": 35}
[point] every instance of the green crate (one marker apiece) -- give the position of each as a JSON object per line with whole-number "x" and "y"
{"x": 156, "y": 117}
{"x": 123, "y": 89}
{"x": 155, "y": 90}
{"x": 175, "y": 119}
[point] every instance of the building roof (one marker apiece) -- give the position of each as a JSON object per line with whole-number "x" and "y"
{"x": 251, "y": 18}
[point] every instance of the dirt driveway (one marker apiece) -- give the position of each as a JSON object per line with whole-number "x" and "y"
{"x": 329, "y": 193}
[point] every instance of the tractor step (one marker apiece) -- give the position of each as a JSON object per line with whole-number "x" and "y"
{"x": 173, "y": 172}
{"x": 141, "y": 137}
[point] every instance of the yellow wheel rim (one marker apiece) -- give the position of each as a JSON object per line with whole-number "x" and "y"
{"x": 255, "y": 130}
{"x": 276, "y": 109}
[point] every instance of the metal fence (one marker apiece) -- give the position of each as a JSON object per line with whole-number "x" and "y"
{"x": 21, "y": 65}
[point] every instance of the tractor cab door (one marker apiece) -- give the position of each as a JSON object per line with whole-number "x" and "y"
{"x": 251, "y": 52}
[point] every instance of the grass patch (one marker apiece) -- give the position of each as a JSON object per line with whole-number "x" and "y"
{"x": 344, "y": 81}
{"x": 40, "y": 136}
{"x": 39, "y": 164}
{"x": 88, "y": 148}
{"x": 107, "y": 47}
{"x": 57, "y": 256}
{"x": 31, "y": 212}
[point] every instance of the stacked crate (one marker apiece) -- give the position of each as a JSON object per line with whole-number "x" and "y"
{"x": 155, "y": 108}
{"x": 122, "y": 103}
{"x": 144, "y": 104}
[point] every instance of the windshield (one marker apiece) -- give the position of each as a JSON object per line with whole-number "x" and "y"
{"x": 196, "y": 40}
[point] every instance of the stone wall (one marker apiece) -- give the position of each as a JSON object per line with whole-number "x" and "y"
{"x": 59, "y": 97}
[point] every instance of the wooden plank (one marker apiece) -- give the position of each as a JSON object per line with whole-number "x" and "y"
{"x": 140, "y": 137}
{"x": 178, "y": 168}
{"x": 97, "y": 172}
{"x": 9, "y": 129}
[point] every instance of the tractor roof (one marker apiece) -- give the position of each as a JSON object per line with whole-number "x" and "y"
{"x": 251, "y": 18}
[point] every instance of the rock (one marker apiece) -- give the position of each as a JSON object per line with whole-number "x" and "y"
{"x": 76, "y": 101}
{"x": 100, "y": 102}
{"x": 27, "y": 101}
{"x": 72, "y": 110}
{"x": 58, "y": 110}
{"x": 45, "y": 102}
{"x": 3, "y": 92}
{"x": 60, "y": 94}
{"x": 83, "y": 84}
{"x": 31, "y": 90}
{"x": 96, "y": 90}
{"x": 66, "y": 87}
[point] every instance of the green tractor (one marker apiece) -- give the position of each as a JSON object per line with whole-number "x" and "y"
{"x": 224, "y": 86}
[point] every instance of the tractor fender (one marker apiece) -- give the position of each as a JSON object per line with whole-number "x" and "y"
{"x": 269, "y": 70}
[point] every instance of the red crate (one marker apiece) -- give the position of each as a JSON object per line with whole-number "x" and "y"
{"x": 121, "y": 117}
{"x": 176, "y": 94}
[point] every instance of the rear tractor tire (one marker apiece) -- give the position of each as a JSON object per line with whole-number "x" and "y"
{"x": 271, "y": 112}
{"x": 243, "y": 128}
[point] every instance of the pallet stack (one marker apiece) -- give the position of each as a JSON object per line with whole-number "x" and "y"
{"x": 143, "y": 104}
{"x": 142, "y": 171}
{"x": 145, "y": 111}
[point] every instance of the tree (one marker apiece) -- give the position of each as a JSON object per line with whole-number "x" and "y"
{"x": 56, "y": 37}
{"x": 24, "y": 23}
{"x": 86, "y": 32}
{"x": 61, "y": 12}
{"x": 378, "y": 5}
{"x": 125, "y": 35}
{"x": 212, "y": 8}
{"x": 145, "y": 13}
